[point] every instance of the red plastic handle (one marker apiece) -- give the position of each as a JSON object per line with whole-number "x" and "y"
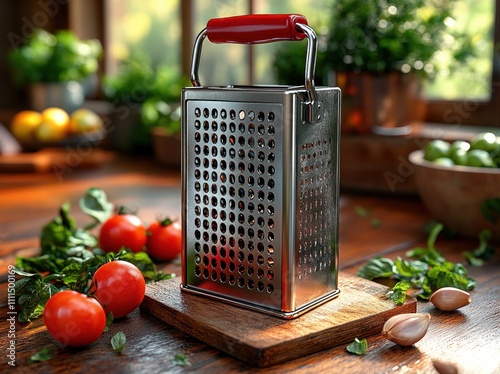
{"x": 255, "y": 28}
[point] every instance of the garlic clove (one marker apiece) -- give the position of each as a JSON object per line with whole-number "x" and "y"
{"x": 450, "y": 298}
{"x": 406, "y": 329}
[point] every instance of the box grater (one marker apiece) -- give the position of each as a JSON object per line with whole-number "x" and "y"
{"x": 260, "y": 181}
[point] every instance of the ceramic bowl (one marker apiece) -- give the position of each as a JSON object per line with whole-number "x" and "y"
{"x": 454, "y": 195}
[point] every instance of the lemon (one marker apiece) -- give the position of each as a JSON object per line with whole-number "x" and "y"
{"x": 55, "y": 125}
{"x": 85, "y": 120}
{"x": 24, "y": 125}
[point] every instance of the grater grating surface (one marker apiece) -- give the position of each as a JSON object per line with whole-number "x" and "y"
{"x": 232, "y": 223}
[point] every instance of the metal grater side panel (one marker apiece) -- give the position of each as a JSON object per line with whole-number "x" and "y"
{"x": 232, "y": 185}
{"x": 317, "y": 192}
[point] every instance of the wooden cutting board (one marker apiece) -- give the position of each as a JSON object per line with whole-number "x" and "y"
{"x": 261, "y": 340}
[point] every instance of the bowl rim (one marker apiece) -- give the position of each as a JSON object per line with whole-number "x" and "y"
{"x": 417, "y": 158}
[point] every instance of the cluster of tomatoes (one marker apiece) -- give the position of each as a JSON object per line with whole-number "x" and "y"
{"x": 117, "y": 287}
{"x": 161, "y": 239}
{"x": 76, "y": 319}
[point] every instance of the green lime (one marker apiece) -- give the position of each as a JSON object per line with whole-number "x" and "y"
{"x": 459, "y": 157}
{"x": 479, "y": 158}
{"x": 459, "y": 144}
{"x": 435, "y": 149}
{"x": 487, "y": 141}
{"x": 443, "y": 161}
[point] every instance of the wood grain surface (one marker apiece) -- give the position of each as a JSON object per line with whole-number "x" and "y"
{"x": 361, "y": 309}
{"x": 468, "y": 339}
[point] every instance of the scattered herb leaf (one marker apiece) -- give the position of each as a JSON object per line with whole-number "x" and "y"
{"x": 375, "y": 223}
{"x": 44, "y": 354}
{"x": 358, "y": 347}
{"x": 118, "y": 341}
{"x": 96, "y": 204}
{"x": 361, "y": 212}
{"x": 426, "y": 271}
{"x": 109, "y": 320}
{"x": 491, "y": 209}
{"x": 180, "y": 359}
{"x": 398, "y": 292}
{"x": 482, "y": 253}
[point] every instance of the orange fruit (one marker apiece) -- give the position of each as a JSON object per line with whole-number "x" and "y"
{"x": 85, "y": 120}
{"x": 24, "y": 124}
{"x": 55, "y": 125}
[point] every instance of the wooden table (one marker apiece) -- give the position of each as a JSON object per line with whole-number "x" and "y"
{"x": 469, "y": 338}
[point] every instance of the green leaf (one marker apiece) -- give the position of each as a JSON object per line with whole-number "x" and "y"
{"x": 361, "y": 212}
{"x": 118, "y": 341}
{"x": 409, "y": 269}
{"x": 180, "y": 359}
{"x": 95, "y": 203}
{"x": 491, "y": 209}
{"x": 358, "y": 347}
{"x": 44, "y": 354}
{"x": 378, "y": 267}
{"x": 483, "y": 252}
{"x": 398, "y": 292}
{"x": 109, "y": 320}
{"x": 375, "y": 223}
{"x": 431, "y": 240}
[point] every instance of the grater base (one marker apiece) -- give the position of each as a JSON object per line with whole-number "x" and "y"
{"x": 272, "y": 312}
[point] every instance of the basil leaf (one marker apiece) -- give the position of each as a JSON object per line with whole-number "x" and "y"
{"x": 118, "y": 341}
{"x": 95, "y": 203}
{"x": 180, "y": 359}
{"x": 358, "y": 347}
{"x": 378, "y": 267}
{"x": 44, "y": 354}
{"x": 491, "y": 209}
{"x": 398, "y": 292}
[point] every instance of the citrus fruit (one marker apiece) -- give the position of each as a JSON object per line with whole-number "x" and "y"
{"x": 24, "y": 124}
{"x": 435, "y": 149}
{"x": 85, "y": 120}
{"x": 486, "y": 141}
{"x": 479, "y": 158}
{"x": 55, "y": 125}
{"x": 443, "y": 161}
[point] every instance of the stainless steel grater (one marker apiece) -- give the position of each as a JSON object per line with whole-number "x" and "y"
{"x": 260, "y": 173}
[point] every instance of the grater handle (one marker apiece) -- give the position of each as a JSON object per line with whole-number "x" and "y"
{"x": 255, "y": 28}
{"x": 263, "y": 28}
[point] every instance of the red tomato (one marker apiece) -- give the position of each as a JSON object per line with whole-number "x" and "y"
{"x": 164, "y": 240}
{"x": 123, "y": 230}
{"x": 119, "y": 286}
{"x": 73, "y": 318}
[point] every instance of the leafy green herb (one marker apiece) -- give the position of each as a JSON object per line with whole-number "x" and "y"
{"x": 118, "y": 341}
{"x": 375, "y": 223}
{"x": 482, "y": 253}
{"x": 44, "y": 354}
{"x": 70, "y": 256}
{"x": 362, "y": 212}
{"x": 378, "y": 267}
{"x": 398, "y": 292}
{"x": 96, "y": 205}
{"x": 109, "y": 320}
{"x": 491, "y": 209}
{"x": 426, "y": 270}
{"x": 358, "y": 347}
{"x": 180, "y": 359}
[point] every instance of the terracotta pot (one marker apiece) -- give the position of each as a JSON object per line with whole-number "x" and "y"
{"x": 390, "y": 100}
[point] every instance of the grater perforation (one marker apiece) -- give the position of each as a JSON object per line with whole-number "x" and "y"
{"x": 260, "y": 192}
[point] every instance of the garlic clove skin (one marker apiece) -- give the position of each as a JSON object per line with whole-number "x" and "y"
{"x": 450, "y": 298}
{"x": 407, "y": 328}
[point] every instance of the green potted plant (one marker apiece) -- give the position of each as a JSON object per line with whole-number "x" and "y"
{"x": 381, "y": 52}
{"x": 146, "y": 113}
{"x": 54, "y": 67}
